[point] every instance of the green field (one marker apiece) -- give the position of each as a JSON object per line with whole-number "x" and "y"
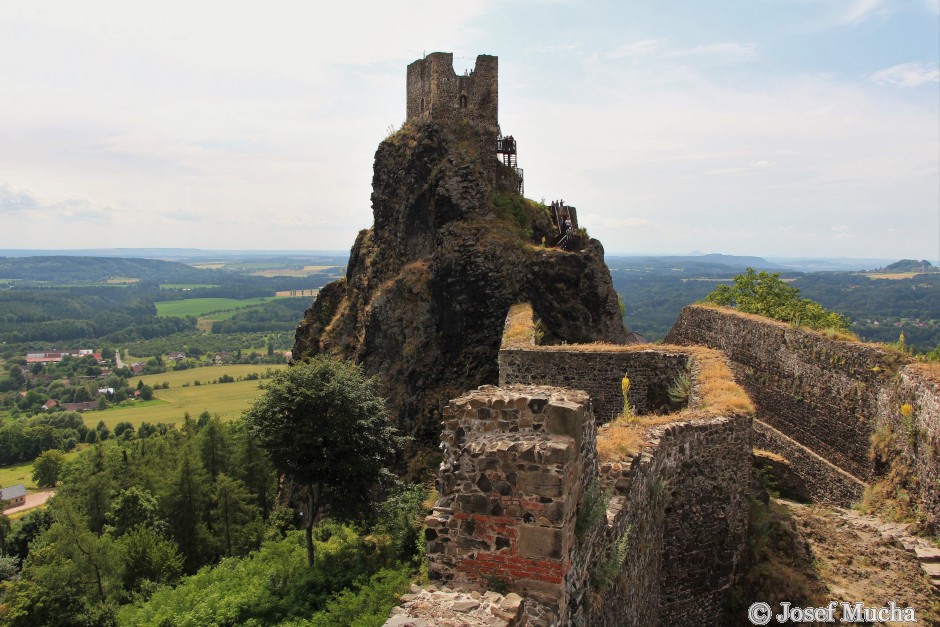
{"x": 23, "y": 472}
{"x": 228, "y": 400}
{"x": 201, "y": 307}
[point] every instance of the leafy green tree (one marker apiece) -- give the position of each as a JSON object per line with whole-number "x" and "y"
{"x": 146, "y": 393}
{"x": 124, "y": 430}
{"x": 770, "y": 296}
{"x": 148, "y": 556}
{"x": 131, "y": 508}
{"x": 325, "y": 427}
{"x": 48, "y": 467}
{"x": 17, "y": 377}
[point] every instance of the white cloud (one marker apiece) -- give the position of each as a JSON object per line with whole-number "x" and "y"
{"x": 861, "y": 10}
{"x": 726, "y": 49}
{"x": 635, "y": 48}
{"x": 908, "y": 74}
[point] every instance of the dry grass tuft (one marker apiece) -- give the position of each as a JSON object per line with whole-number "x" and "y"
{"x": 714, "y": 394}
{"x": 930, "y": 370}
{"x": 520, "y": 331}
{"x": 624, "y": 437}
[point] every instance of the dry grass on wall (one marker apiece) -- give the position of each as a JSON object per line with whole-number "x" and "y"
{"x": 714, "y": 394}
{"x": 520, "y": 331}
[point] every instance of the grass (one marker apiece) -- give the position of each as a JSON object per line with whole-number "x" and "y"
{"x": 23, "y": 472}
{"x": 520, "y": 331}
{"x": 714, "y": 393}
{"x": 201, "y": 307}
{"x": 228, "y": 400}
{"x": 294, "y": 272}
{"x": 890, "y": 275}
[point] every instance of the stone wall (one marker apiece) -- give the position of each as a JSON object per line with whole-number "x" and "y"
{"x": 909, "y": 417}
{"x": 516, "y": 464}
{"x": 822, "y": 481}
{"x": 599, "y": 371}
{"x": 684, "y": 503}
{"x": 821, "y": 403}
{"x": 435, "y": 91}
{"x": 517, "y": 496}
{"x": 822, "y": 393}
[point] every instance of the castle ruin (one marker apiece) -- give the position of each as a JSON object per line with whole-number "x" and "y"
{"x": 436, "y": 92}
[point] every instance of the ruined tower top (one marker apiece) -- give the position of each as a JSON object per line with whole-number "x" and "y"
{"x": 436, "y": 92}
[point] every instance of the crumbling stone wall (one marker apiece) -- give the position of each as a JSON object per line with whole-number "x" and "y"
{"x": 821, "y": 479}
{"x": 516, "y": 464}
{"x": 909, "y": 410}
{"x": 515, "y": 494}
{"x": 599, "y": 371}
{"x": 821, "y": 403}
{"x": 684, "y": 503}
{"x": 435, "y": 91}
{"x": 822, "y": 393}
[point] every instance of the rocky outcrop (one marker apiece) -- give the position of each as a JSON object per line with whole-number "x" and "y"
{"x": 427, "y": 288}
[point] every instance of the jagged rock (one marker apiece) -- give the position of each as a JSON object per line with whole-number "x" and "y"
{"x": 428, "y": 287}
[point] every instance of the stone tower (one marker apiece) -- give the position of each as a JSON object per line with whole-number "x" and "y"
{"x": 435, "y": 91}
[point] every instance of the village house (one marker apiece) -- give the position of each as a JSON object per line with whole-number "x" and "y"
{"x": 14, "y": 496}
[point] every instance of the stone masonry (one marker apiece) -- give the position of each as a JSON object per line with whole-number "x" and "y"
{"x": 516, "y": 463}
{"x": 436, "y": 92}
{"x": 821, "y": 402}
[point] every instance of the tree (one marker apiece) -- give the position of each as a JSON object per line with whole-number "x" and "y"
{"x": 47, "y": 467}
{"x": 324, "y": 426}
{"x": 768, "y": 295}
{"x": 17, "y": 376}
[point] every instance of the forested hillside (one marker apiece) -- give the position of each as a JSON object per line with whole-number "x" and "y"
{"x": 654, "y": 290}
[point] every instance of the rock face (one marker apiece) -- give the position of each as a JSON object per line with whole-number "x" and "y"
{"x": 427, "y": 288}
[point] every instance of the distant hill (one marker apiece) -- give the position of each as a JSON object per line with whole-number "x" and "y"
{"x": 910, "y": 265}
{"x": 66, "y": 270}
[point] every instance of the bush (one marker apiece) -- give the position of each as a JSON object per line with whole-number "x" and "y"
{"x": 768, "y": 295}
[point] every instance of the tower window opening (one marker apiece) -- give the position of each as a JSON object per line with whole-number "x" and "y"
{"x": 463, "y": 101}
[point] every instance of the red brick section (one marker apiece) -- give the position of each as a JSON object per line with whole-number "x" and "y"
{"x": 506, "y": 564}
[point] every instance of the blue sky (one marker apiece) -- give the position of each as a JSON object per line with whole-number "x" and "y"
{"x": 767, "y": 127}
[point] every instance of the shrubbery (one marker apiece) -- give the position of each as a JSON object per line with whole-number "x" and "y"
{"x": 768, "y": 295}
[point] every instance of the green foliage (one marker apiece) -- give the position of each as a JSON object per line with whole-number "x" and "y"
{"x": 603, "y": 576}
{"x": 681, "y": 390}
{"x": 148, "y": 557}
{"x": 47, "y": 467}
{"x": 365, "y": 605}
{"x": 401, "y": 517}
{"x": 324, "y": 426}
{"x": 768, "y": 295}
{"x": 592, "y": 511}
{"x": 273, "y": 585}
{"x": 132, "y": 508}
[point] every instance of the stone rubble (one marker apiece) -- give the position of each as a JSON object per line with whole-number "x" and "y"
{"x": 433, "y": 607}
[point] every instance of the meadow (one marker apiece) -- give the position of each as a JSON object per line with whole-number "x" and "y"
{"x": 228, "y": 400}
{"x": 23, "y": 472}
{"x": 201, "y": 307}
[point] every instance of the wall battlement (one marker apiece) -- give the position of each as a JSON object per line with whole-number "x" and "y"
{"x": 436, "y": 92}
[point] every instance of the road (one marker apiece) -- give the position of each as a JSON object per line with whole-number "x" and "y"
{"x": 117, "y": 360}
{"x": 34, "y": 499}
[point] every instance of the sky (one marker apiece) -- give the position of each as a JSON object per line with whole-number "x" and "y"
{"x": 782, "y": 128}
